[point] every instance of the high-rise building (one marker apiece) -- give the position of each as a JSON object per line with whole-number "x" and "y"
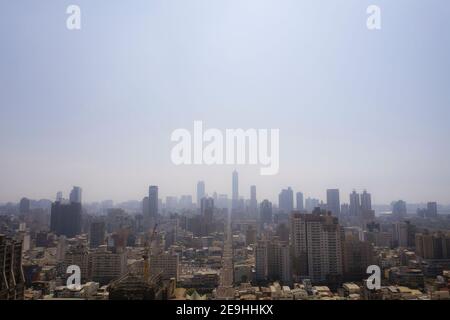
{"x": 235, "y": 190}
{"x": 355, "y": 204}
{"x": 207, "y": 209}
{"x": 145, "y": 207}
{"x": 200, "y": 192}
{"x": 153, "y": 202}
{"x": 286, "y": 200}
{"x": 97, "y": 234}
{"x": 207, "y": 212}
{"x": 171, "y": 203}
{"x": 366, "y": 201}
{"x": 24, "y": 205}
{"x": 186, "y": 202}
{"x": 253, "y": 201}
{"x": 311, "y": 204}
{"x": 333, "y": 202}
{"x": 12, "y": 280}
{"x": 299, "y": 198}
{"x": 265, "y": 211}
{"x": 65, "y": 218}
{"x": 345, "y": 210}
{"x": 75, "y": 195}
{"x": 400, "y": 234}
{"x": 432, "y": 210}
{"x": 261, "y": 263}
{"x": 273, "y": 261}
{"x": 222, "y": 201}
{"x": 433, "y": 246}
{"x": 399, "y": 209}
{"x": 357, "y": 256}
{"x": 316, "y": 246}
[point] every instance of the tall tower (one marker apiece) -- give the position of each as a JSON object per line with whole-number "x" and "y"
{"x": 152, "y": 206}
{"x": 286, "y": 200}
{"x": 207, "y": 209}
{"x": 431, "y": 210}
{"x": 366, "y": 201}
{"x": 333, "y": 202}
{"x": 253, "y": 201}
{"x": 265, "y": 212}
{"x": 355, "y": 204}
{"x": 200, "y": 192}
{"x": 75, "y": 195}
{"x": 235, "y": 190}
{"x": 299, "y": 198}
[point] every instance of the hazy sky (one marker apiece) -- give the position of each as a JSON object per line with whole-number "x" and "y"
{"x": 96, "y": 107}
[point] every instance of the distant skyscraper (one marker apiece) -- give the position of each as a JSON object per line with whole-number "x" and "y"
{"x": 345, "y": 210}
{"x": 65, "y": 219}
{"x": 152, "y": 206}
{"x": 200, "y": 192}
{"x": 265, "y": 212}
{"x": 207, "y": 208}
{"x": 171, "y": 203}
{"x": 145, "y": 207}
{"x": 399, "y": 209}
{"x": 59, "y": 196}
{"x": 333, "y": 202}
{"x": 299, "y": 198}
{"x": 253, "y": 201}
{"x": 97, "y": 234}
{"x": 286, "y": 200}
{"x": 355, "y": 204}
{"x": 432, "y": 210}
{"x": 235, "y": 190}
{"x": 366, "y": 201}
{"x": 311, "y": 204}
{"x": 24, "y": 206}
{"x": 186, "y": 202}
{"x": 207, "y": 212}
{"x": 75, "y": 195}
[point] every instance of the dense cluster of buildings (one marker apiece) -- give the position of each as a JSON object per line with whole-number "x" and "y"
{"x": 220, "y": 248}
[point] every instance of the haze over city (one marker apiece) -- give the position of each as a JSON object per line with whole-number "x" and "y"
{"x": 248, "y": 155}
{"x": 356, "y": 109}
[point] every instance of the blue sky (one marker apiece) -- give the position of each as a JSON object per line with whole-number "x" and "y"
{"x": 96, "y": 107}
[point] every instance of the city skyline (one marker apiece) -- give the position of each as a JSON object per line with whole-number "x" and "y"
{"x": 334, "y": 197}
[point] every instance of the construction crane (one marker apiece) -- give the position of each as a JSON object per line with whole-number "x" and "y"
{"x": 147, "y": 253}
